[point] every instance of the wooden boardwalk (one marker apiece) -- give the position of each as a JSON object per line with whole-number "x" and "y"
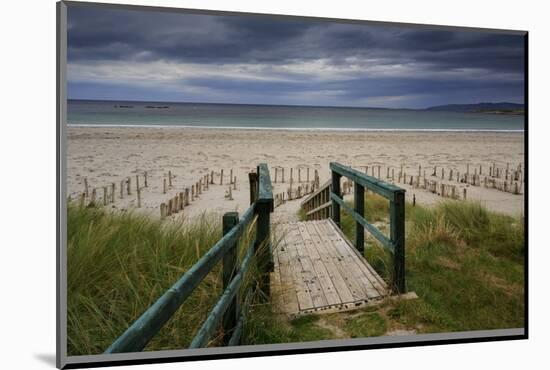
{"x": 316, "y": 269}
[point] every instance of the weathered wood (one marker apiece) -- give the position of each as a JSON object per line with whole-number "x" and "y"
{"x": 104, "y": 195}
{"x": 129, "y": 186}
{"x": 359, "y": 200}
{"x": 230, "y": 269}
{"x": 397, "y": 236}
{"x": 138, "y": 192}
{"x": 221, "y": 176}
{"x": 336, "y": 176}
{"x": 164, "y": 186}
{"x": 145, "y": 179}
{"x": 86, "y": 187}
{"x": 170, "y": 179}
{"x": 162, "y": 210}
{"x": 112, "y": 192}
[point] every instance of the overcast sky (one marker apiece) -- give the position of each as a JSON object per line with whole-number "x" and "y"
{"x": 155, "y": 56}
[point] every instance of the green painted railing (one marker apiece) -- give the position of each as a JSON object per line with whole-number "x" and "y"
{"x": 228, "y": 311}
{"x": 396, "y": 196}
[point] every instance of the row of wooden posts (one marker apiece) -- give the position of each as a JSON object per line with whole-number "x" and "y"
{"x": 279, "y": 175}
{"x": 90, "y": 198}
{"x": 178, "y": 202}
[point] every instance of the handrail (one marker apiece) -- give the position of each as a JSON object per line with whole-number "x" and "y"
{"x": 136, "y": 337}
{"x": 396, "y": 196}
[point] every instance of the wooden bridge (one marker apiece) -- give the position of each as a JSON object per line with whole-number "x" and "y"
{"x": 304, "y": 267}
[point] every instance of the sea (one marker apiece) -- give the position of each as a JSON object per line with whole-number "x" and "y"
{"x": 239, "y": 116}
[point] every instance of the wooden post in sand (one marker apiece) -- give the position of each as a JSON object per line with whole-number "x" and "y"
{"x": 122, "y": 189}
{"x": 283, "y": 174}
{"x": 221, "y": 177}
{"x": 480, "y": 172}
{"x": 113, "y": 192}
{"x": 372, "y": 171}
{"x": 387, "y": 172}
{"x": 192, "y": 192}
{"x": 104, "y": 195}
{"x": 92, "y": 201}
{"x": 137, "y": 182}
{"x": 82, "y": 200}
{"x": 467, "y": 168}
{"x": 230, "y": 193}
{"x": 129, "y": 186}
{"x": 464, "y": 191}
{"x": 199, "y": 187}
{"x": 186, "y": 196}
{"x": 138, "y": 197}
{"x": 145, "y": 179}
{"x": 164, "y": 186}
{"x": 414, "y": 199}
{"x": 435, "y": 171}
{"x": 170, "y": 179}
{"x": 276, "y": 170}
{"x": 291, "y": 176}
{"x": 392, "y": 175}
{"x": 378, "y": 171}
{"x": 206, "y": 181}
{"x": 86, "y": 187}
{"x": 299, "y": 175}
{"x": 307, "y": 175}
{"x": 211, "y": 177}
{"x": 235, "y": 183}
{"x": 162, "y": 210}
{"x": 230, "y": 176}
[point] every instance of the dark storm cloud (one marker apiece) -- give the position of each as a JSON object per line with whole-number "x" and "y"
{"x": 98, "y": 36}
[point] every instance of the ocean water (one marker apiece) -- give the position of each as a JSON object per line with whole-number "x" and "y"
{"x": 124, "y": 113}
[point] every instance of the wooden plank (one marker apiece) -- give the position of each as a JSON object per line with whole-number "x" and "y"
{"x": 291, "y": 267}
{"x": 327, "y": 287}
{"x": 342, "y": 260}
{"x": 374, "y": 279}
{"x": 307, "y": 271}
{"x": 327, "y": 258}
{"x": 325, "y": 205}
{"x": 352, "y": 262}
{"x": 288, "y": 287}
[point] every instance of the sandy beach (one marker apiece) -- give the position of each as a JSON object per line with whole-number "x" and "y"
{"x": 106, "y": 155}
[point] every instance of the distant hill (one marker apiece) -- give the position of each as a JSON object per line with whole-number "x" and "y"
{"x": 502, "y": 108}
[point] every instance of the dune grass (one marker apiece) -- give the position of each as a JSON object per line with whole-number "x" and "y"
{"x": 120, "y": 263}
{"x": 465, "y": 263}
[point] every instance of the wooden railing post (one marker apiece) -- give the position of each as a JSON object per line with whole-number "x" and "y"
{"x": 336, "y": 190}
{"x": 230, "y": 269}
{"x": 253, "y": 180}
{"x": 359, "y": 200}
{"x": 397, "y": 235}
{"x": 262, "y": 245}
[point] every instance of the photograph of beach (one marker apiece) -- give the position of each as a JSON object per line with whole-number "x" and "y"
{"x": 245, "y": 179}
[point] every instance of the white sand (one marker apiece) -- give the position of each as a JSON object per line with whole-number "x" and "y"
{"x": 107, "y": 155}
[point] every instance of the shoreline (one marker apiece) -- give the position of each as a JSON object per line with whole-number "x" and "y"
{"x": 292, "y": 129}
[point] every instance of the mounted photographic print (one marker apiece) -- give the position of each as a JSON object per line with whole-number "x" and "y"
{"x": 236, "y": 184}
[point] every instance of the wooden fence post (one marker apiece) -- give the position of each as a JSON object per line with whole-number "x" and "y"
{"x": 92, "y": 202}
{"x": 359, "y": 199}
{"x": 137, "y": 182}
{"x": 307, "y": 175}
{"x": 113, "y": 192}
{"x": 221, "y": 177}
{"x": 104, "y": 195}
{"x": 86, "y": 187}
{"x": 186, "y": 196}
{"x": 162, "y": 210}
{"x": 397, "y": 234}
{"x": 211, "y": 177}
{"x": 336, "y": 190}
{"x": 262, "y": 245}
{"x": 164, "y": 186}
{"x": 122, "y": 189}
{"x": 145, "y": 179}
{"x": 235, "y": 183}
{"x": 230, "y": 269}
{"x": 283, "y": 174}
{"x": 170, "y": 178}
{"x": 129, "y": 186}
{"x": 276, "y": 170}
{"x": 138, "y": 197}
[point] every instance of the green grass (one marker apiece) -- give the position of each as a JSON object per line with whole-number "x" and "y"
{"x": 465, "y": 263}
{"x": 120, "y": 263}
